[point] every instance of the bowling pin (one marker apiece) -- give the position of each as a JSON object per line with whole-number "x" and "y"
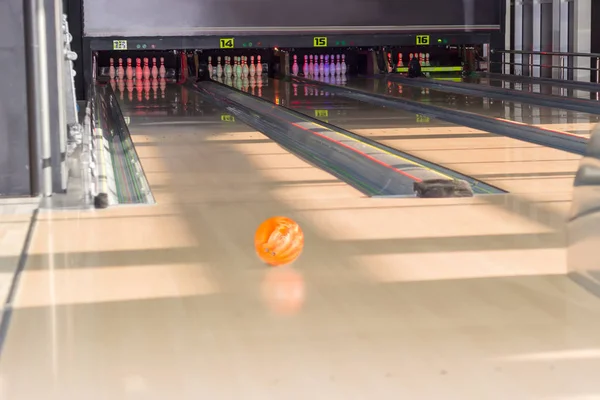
{"x": 326, "y": 66}
{"x": 146, "y": 69}
{"x": 210, "y": 68}
{"x": 252, "y": 68}
{"x": 344, "y": 67}
{"x": 111, "y": 69}
{"x": 215, "y": 68}
{"x": 305, "y": 66}
{"x": 338, "y": 65}
{"x": 226, "y": 69}
{"x": 390, "y": 62}
{"x": 259, "y": 67}
{"x": 295, "y": 65}
{"x": 237, "y": 68}
{"x": 245, "y": 69}
{"x": 219, "y": 68}
{"x": 400, "y": 64}
{"x": 162, "y": 71}
{"x": 154, "y": 68}
{"x": 138, "y": 69}
{"x": 316, "y": 66}
{"x": 129, "y": 69}
{"x": 332, "y": 66}
{"x": 120, "y": 69}
{"x": 321, "y": 65}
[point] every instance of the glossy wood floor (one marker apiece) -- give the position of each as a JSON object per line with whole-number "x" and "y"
{"x": 408, "y": 298}
{"x": 15, "y": 220}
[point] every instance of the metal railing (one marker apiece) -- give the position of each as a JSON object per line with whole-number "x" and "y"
{"x": 54, "y": 132}
{"x": 72, "y": 116}
{"x": 565, "y": 61}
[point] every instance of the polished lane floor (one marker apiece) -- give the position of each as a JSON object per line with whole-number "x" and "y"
{"x": 422, "y": 299}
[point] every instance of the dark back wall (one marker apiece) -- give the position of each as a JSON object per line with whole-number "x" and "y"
{"x": 197, "y": 17}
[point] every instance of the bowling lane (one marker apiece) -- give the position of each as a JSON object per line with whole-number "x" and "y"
{"x": 510, "y": 164}
{"x": 391, "y": 296}
{"x": 579, "y": 123}
{"x": 533, "y": 86}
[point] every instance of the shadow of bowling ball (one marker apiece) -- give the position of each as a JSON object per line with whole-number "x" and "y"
{"x": 279, "y": 241}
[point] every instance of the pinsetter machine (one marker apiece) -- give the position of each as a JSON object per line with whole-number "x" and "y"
{"x": 229, "y": 28}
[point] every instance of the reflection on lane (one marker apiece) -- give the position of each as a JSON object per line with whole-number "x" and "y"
{"x": 328, "y": 107}
{"x": 324, "y": 104}
{"x": 157, "y": 102}
{"x": 579, "y": 123}
{"x": 546, "y": 88}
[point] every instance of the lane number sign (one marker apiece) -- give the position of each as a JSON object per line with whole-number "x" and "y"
{"x": 119, "y": 44}
{"x": 422, "y": 40}
{"x": 226, "y": 43}
{"x": 320, "y": 41}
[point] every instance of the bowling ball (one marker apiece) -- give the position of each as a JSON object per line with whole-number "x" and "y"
{"x": 278, "y": 241}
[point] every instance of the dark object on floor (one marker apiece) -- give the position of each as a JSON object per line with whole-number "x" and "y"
{"x": 203, "y": 72}
{"x": 101, "y": 200}
{"x": 438, "y": 188}
{"x": 414, "y": 68}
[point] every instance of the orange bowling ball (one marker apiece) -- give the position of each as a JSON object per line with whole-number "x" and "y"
{"x": 279, "y": 241}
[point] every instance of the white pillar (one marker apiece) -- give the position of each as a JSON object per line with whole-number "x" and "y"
{"x": 582, "y": 43}
{"x": 507, "y": 42}
{"x": 560, "y": 35}
{"x": 518, "y": 27}
{"x": 537, "y": 36}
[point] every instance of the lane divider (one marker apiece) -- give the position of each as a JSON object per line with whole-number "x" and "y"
{"x": 487, "y": 189}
